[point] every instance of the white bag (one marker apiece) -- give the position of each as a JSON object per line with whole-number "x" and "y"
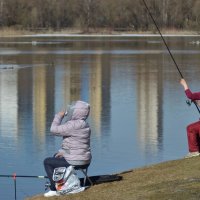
{"x": 66, "y": 180}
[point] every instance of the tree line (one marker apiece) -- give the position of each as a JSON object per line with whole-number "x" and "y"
{"x": 93, "y": 14}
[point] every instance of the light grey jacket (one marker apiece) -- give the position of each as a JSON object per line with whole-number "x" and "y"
{"x": 76, "y": 134}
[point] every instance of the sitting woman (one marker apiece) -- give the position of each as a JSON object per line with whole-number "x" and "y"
{"x": 75, "y": 148}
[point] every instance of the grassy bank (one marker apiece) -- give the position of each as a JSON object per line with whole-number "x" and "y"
{"x": 178, "y": 180}
{"x": 9, "y": 32}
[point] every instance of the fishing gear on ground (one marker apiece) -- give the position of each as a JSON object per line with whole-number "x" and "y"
{"x": 66, "y": 180}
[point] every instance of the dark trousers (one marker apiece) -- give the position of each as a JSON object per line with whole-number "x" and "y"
{"x": 193, "y": 134}
{"x": 50, "y": 164}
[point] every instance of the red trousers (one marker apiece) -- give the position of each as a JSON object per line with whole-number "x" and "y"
{"x": 193, "y": 134}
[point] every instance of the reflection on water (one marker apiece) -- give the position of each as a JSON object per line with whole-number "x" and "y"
{"x": 149, "y": 104}
{"x": 9, "y": 98}
{"x": 137, "y": 105}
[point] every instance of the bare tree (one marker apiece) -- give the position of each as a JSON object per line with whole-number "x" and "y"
{"x": 112, "y": 14}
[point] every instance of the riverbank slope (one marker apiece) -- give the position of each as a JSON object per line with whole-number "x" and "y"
{"x": 178, "y": 179}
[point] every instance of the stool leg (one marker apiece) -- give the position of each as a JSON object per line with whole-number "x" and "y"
{"x": 86, "y": 177}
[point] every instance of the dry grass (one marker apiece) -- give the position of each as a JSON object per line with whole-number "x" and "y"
{"x": 6, "y": 32}
{"x": 178, "y": 179}
{"x": 179, "y": 32}
{"x": 9, "y": 32}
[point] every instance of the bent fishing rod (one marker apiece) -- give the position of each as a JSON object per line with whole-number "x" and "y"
{"x": 172, "y": 57}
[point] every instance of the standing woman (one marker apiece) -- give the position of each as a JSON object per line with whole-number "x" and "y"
{"x": 193, "y": 130}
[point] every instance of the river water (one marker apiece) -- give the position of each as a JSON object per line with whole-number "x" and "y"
{"x": 138, "y": 111}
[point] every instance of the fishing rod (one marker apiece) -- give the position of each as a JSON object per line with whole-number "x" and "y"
{"x": 22, "y": 176}
{"x": 163, "y": 39}
{"x": 14, "y": 176}
{"x": 172, "y": 57}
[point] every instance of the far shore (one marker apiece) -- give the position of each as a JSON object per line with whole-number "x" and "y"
{"x": 10, "y": 32}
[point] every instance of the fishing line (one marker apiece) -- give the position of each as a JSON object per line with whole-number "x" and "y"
{"x": 167, "y": 48}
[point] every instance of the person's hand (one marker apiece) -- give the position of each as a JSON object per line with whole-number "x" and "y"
{"x": 184, "y": 84}
{"x": 59, "y": 155}
{"x": 61, "y": 113}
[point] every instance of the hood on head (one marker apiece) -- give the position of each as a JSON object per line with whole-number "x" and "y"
{"x": 78, "y": 110}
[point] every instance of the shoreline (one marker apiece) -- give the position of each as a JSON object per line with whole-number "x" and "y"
{"x": 107, "y": 35}
{"x": 10, "y": 32}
